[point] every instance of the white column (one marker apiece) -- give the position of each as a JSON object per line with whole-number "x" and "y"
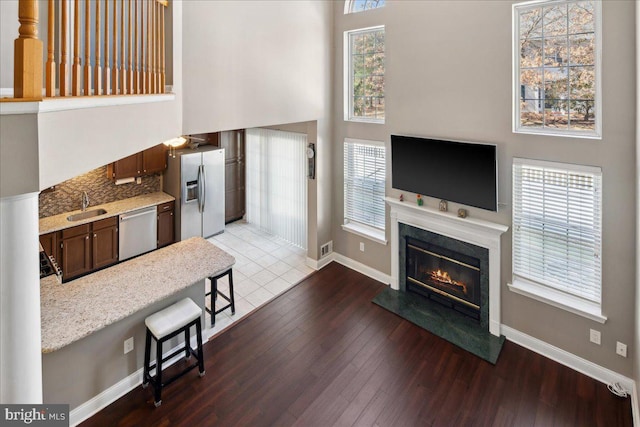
{"x": 20, "y": 347}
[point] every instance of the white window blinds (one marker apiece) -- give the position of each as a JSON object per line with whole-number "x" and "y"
{"x": 276, "y": 183}
{"x": 557, "y": 226}
{"x": 364, "y": 183}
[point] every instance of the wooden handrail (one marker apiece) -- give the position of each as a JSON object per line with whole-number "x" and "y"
{"x": 126, "y": 56}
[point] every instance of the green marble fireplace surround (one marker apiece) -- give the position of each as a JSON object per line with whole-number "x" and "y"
{"x": 470, "y": 237}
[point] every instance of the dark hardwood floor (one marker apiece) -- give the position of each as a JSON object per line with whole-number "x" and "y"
{"x": 322, "y": 354}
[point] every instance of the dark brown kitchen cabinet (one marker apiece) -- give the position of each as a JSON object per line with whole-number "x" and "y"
{"x": 147, "y": 162}
{"x": 49, "y": 244}
{"x": 89, "y": 247}
{"x": 165, "y": 224}
{"x": 105, "y": 242}
{"x": 154, "y": 160}
{"x": 128, "y": 167}
{"x": 75, "y": 251}
{"x": 234, "y": 179}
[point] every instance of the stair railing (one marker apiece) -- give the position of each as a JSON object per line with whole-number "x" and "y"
{"x": 126, "y": 55}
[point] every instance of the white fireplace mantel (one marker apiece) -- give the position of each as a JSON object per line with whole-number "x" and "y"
{"x": 479, "y": 232}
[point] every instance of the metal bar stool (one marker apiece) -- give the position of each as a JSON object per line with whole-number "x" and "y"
{"x": 215, "y": 293}
{"x": 164, "y": 325}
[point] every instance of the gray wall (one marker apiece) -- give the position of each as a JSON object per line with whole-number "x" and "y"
{"x": 19, "y": 172}
{"x": 636, "y": 355}
{"x": 84, "y": 369}
{"x": 448, "y": 75}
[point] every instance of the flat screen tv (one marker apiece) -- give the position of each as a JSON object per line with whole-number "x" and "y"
{"x": 459, "y": 172}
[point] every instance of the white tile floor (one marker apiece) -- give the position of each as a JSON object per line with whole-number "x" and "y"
{"x": 266, "y": 266}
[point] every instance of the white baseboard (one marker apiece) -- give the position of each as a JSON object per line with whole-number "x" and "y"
{"x": 362, "y": 268}
{"x": 321, "y": 263}
{"x": 574, "y": 362}
{"x": 635, "y": 409}
{"x": 116, "y": 391}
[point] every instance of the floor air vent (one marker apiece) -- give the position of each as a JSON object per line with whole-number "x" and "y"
{"x": 326, "y": 249}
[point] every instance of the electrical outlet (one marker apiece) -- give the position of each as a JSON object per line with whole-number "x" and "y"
{"x": 594, "y": 336}
{"x": 128, "y": 345}
{"x": 361, "y": 246}
{"x": 621, "y": 349}
{"x": 139, "y": 180}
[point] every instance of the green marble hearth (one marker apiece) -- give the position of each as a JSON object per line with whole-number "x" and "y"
{"x": 442, "y": 321}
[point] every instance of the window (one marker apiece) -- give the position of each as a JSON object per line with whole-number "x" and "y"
{"x": 276, "y": 183}
{"x": 364, "y": 85}
{"x": 557, "y": 233}
{"x": 557, "y": 68}
{"x": 364, "y": 185}
{"x": 352, "y": 6}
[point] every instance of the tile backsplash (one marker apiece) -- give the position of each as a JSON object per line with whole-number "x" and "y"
{"x": 66, "y": 196}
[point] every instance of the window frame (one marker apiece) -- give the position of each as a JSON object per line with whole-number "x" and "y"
{"x": 362, "y": 229}
{"x": 348, "y": 7}
{"x": 546, "y": 291}
{"x": 348, "y": 80}
{"x": 517, "y": 9}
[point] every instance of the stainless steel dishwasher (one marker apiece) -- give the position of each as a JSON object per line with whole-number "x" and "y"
{"x": 138, "y": 232}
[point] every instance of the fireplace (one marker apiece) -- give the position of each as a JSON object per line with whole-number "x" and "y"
{"x": 446, "y": 276}
{"x": 461, "y": 302}
{"x": 447, "y": 271}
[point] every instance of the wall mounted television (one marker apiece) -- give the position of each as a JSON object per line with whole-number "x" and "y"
{"x": 460, "y": 172}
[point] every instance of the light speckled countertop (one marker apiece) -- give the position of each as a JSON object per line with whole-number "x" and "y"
{"x": 60, "y": 222}
{"x": 78, "y": 308}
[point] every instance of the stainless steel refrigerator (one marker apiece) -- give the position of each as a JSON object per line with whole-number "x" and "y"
{"x": 195, "y": 177}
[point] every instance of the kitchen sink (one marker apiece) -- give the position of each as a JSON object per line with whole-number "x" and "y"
{"x": 86, "y": 214}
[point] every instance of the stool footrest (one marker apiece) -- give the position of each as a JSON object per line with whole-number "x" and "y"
{"x": 175, "y": 353}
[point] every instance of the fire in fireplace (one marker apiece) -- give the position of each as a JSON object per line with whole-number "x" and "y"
{"x": 443, "y": 275}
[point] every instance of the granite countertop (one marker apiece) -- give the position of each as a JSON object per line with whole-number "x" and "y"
{"x": 76, "y": 309}
{"x": 60, "y": 222}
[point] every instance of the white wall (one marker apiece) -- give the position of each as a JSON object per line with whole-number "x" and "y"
{"x": 254, "y": 63}
{"x": 8, "y": 31}
{"x": 85, "y": 139}
{"x": 448, "y": 75}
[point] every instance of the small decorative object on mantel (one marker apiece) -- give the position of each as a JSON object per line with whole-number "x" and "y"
{"x": 419, "y": 200}
{"x": 462, "y": 213}
{"x": 443, "y": 206}
{"x": 402, "y": 198}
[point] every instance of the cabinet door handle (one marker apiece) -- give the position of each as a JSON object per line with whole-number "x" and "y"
{"x": 95, "y": 235}
{"x": 86, "y": 237}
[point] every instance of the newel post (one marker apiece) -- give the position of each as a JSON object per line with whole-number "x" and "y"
{"x": 27, "y": 64}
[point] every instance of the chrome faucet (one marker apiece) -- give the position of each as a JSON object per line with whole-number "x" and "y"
{"x": 85, "y": 200}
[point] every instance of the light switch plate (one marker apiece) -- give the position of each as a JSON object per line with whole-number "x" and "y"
{"x": 128, "y": 345}
{"x": 594, "y": 336}
{"x": 621, "y": 349}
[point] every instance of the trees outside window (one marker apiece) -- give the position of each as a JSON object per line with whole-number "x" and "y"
{"x": 557, "y": 67}
{"x": 365, "y": 76}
